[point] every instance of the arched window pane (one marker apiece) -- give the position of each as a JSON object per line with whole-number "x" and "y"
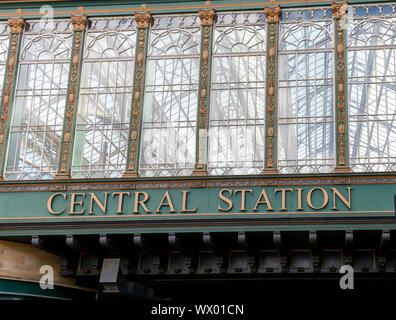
{"x": 170, "y": 101}
{"x": 305, "y": 103}
{"x": 101, "y": 138}
{"x": 39, "y": 103}
{"x": 372, "y": 91}
{"x": 237, "y": 106}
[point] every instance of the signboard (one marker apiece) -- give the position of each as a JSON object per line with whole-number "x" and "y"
{"x": 358, "y": 199}
{"x": 197, "y": 201}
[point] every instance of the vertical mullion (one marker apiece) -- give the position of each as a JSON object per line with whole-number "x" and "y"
{"x": 135, "y": 129}
{"x": 341, "y": 111}
{"x": 16, "y": 29}
{"x": 272, "y": 15}
{"x": 69, "y": 124}
{"x": 201, "y": 148}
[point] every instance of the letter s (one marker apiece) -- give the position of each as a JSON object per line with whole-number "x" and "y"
{"x": 222, "y": 197}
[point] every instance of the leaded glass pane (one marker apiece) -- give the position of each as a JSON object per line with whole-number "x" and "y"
{"x": 101, "y": 137}
{"x": 237, "y": 107}
{"x": 305, "y": 104}
{"x": 170, "y": 101}
{"x": 4, "y": 43}
{"x": 38, "y": 108}
{"x": 372, "y": 91}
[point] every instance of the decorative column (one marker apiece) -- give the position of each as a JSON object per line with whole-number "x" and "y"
{"x": 69, "y": 124}
{"x": 143, "y": 24}
{"x": 201, "y": 147}
{"x": 16, "y": 29}
{"x": 340, "y": 75}
{"x": 272, "y": 15}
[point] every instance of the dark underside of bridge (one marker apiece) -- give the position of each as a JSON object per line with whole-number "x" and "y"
{"x": 223, "y": 266}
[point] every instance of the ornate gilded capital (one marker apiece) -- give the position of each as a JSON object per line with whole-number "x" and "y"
{"x": 207, "y": 17}
{"x": 143, "y": 19}
{"x": 339, "y": 9}
{"x": 16, "y": 24}
{"x": 79, "y": 22}
{"x": 272, "y": 14}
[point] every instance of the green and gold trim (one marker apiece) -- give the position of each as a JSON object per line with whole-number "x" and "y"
{"x": 272, "y": 15}
{"x": 341, "y": 111}
{"x": 66, "y": 152}
{"x": 143, "y": 24}
{"x": 17, "y": 26}
{"x": 207, "y": 20}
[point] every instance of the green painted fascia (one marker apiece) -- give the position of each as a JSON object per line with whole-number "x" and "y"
{"x": 199, "y": 229}
{"x": 32, "y": 289}
{"x": 151, "y": 227}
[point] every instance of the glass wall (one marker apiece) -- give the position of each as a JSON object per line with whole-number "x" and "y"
{"x": 236, "y": 127}
{"x": 237, "y": 106}
{"x": 39, "y": 103}
{"x": 306, "y": 106}
{"x": 171, "y": 97}
{"x": 4, "y": 43}
{"x": 372, "y": 87}
{"x": 101, "y": 138}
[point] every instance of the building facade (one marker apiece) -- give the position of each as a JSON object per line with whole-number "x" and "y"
{"x": 145, "y": 147}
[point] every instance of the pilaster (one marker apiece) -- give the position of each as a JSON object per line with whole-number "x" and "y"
{"x": 143, "y": 24}
{"x": 272, "y": 15}
{"x": 201, "y": 153}
{"x": 66, "y": 154}
{"x": 339, "y": 10}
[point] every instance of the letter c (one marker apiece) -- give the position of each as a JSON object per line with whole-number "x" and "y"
{"x": 49, "y": 203}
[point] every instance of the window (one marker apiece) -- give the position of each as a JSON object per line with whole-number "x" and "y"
{"x": 237, "y": 105}
{"x": 101, "y": 137}
{"x": 39, "y": 103}
{"x": 171, "y": 97}
{"x": 306, "y": 119}
{"x": 372, "y": 88}
{"x": 306, "y": 106}
{"x": 4, "y": 43}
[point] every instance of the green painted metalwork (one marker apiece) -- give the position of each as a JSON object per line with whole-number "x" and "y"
{"x": 16, "y": 25}
{"x": 207, "y": 19}
{"x": 66, "y": 150}
{"x": 122, "y": 7}
{"x": 143, "y": 23}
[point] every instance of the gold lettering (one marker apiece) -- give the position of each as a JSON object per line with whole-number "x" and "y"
{"x": 49, "y": 203}
{"x": 283, "y": 197}
{"x": 299, "y": 194}
{"x": 325, "y": 198}
{"x": 167, "y": 203}
{"x": 266, "y": 201}
{"x": 120, "y": 200}
{"x": 102, "y": 206}
{"x": 184, "y": 209}
{"x": 222, "y": 197}
{"x": 141, "y": 202}
{"x": 73, "y": 203}
{"x": 341, "y": 197}
{"x": 243, "y": 197}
